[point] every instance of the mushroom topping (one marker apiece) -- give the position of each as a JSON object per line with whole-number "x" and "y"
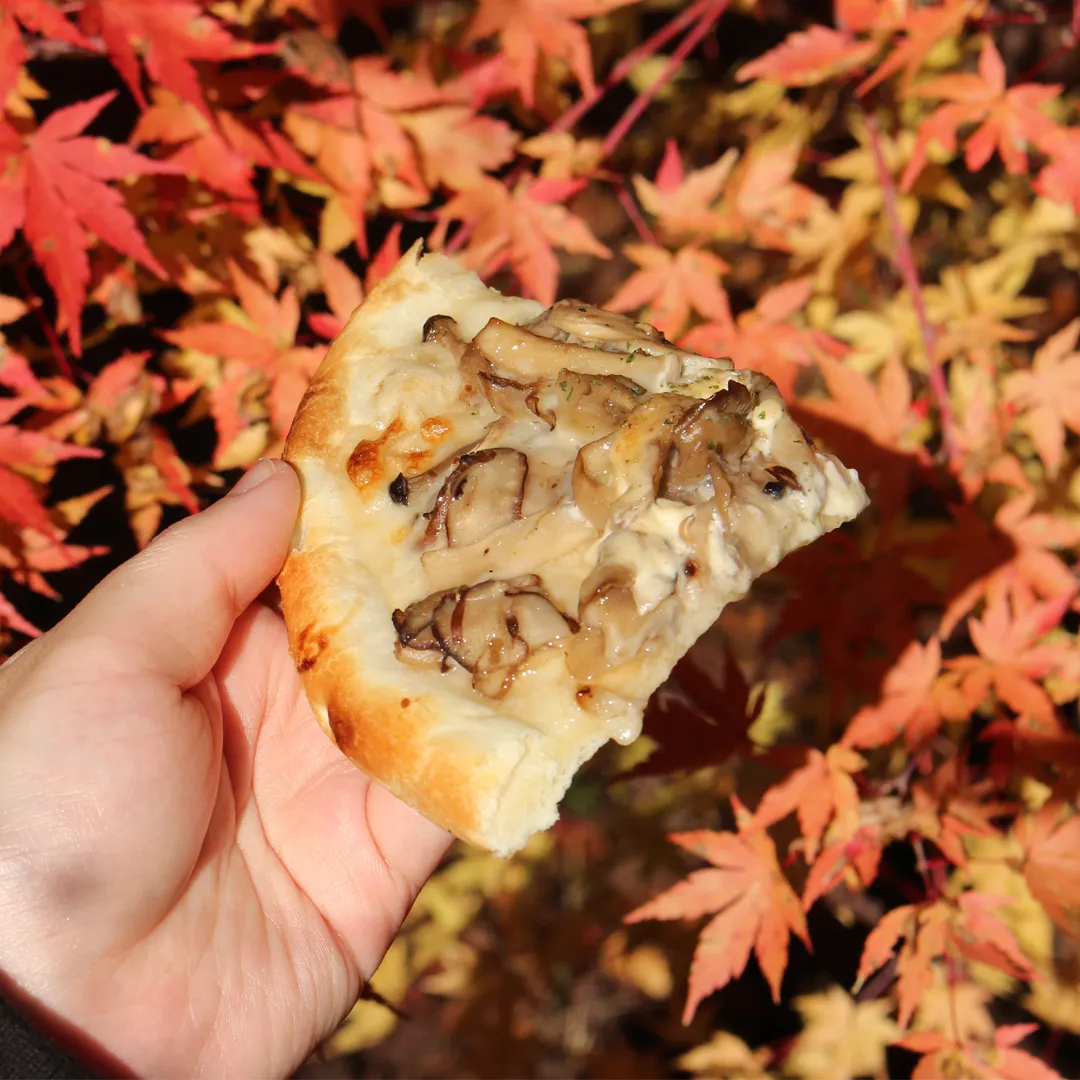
{"x": 444, "y": 330}
{"x": 514, "y": 549}
{"x": 621, "y": 473}
{"x": 490, "y": 629}
{"x": 509, "y": 398}
{"x": 587, "y": 407}
{"x": 716, "y": 426}
{"x": 417, "y": 642}
{"x": 519, "y": 353}
{"x": 482, "y": 494}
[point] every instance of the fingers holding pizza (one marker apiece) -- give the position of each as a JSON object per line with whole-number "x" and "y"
{"x": 514, "y": 523}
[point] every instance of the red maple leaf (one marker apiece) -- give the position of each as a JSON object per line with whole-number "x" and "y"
{"x": 670, "y": 286}
{"x": 54, "y": 189}
{"x": 42, "y": 17}
{"x": 756, "y": 909}
{"x": 700, "y": 717}
{"x": 527, "y": 28}
{"x": 344, "y": 291}
{"x": 1060, "y": 179}
{"x": 169, "y": 34}
{"x": 521, "y": 228}
{"x": 1009, "y": 120}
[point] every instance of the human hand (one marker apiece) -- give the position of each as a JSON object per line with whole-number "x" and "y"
{"x": 192, "y": 877}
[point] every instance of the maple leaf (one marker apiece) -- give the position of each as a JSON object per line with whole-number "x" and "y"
{"x": 40, "y": 16}
{"x": 1060, "y": 179}
{"x": 757, "y": 909}
{"x": 764, "y": 338}
{"x": 819, "y": 791}
{"x": 672, "y": 285}
{"x": 924, "y": 28}
{"x": 854, "y": 861}
{"x": 917, "y": 697}
{"x": 1048, "y": 395}
{"x": 562, "y": 156}
{"x": 1051, "y": 866}
{"x": 1009, "y": 120}
{"x": 967, "y": 925}
{"x": 457, "y": 147}
{"x": 155, "y": 476}
{"x": 520, "y": 228}
{"x": 684, "y": 202}
{"x": 170, "y": 34}
{"x": 809, "y": 57}
{"x": 259, "y": 339}
{"x": 698, "y": 719}
{"x": 841, "y": 1038}
{"x": 54, "y": 190}
{"x": 1012, "y": 659}
{"x": 948, "y": 807}
{"x": 344, "y": 291}
{"x": 527, "y": 28}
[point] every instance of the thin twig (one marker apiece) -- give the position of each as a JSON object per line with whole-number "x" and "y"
{"x": 649, "y": 47}
{"x": 626, "y": 200}
{"x": 905, "y": 262}
{"x": 33, "y": 301}
{"x": 710, "y": 13}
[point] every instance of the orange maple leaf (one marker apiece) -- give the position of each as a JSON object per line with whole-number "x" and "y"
{"x": 1060, "y": 179}
{"x": 1009, "y": 120}
{"x": 1051, "y": 865}
{"x": 967, "y": 926}
{"x": 757, "y": 909}
{"x": 1048, "y": 395}
{"x": 684, "y": 202}
{"x": 764, "y": 337}
{"x": 520, "y": 228}
{"x": 819, "y": 791}
{"x": 259, "y": 340}
{"x": 809, "y": 57}
{"x": 924, "y": 28}
{"x": 1013, "y": 660}
{"x": 457, "y": 147}
{"x": 527, "y": 28}
{"x": 917, "y": 697}
{"x": 672, "y": 285}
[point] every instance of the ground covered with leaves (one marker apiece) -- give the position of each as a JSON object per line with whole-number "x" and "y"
{"x": 849, "y": 844}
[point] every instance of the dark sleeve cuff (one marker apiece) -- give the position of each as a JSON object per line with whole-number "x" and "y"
{"x": 26, "y": 1054}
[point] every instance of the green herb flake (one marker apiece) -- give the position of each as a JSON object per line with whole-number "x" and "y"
{"x": 761, "y": 415}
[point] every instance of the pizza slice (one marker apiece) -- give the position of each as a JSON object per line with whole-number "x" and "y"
{"x": 514, "y": 522}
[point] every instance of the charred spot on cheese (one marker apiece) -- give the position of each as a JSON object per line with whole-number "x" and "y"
{"x": 365, "y": 464}
{"x": 489, "y": 629}
{"x": 399, "y": 490}
{"x": 783, "y": 476}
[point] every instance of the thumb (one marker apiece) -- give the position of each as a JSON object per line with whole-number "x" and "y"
{"x": 170, "y": 609}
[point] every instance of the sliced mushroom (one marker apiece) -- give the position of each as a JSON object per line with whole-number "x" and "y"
{"x": 717, "y": 426}
{"x": 445, "y": 331}
{"x": 483, "y": 493}
{"x": 514, "y": 549}
{"x": 508, "y": 398}
{"x": 619, "y": 474}
{"x": 516, "y": 352}
{"x": 490, "y": 629}
{"x": 587, "y": 407}
{"x": 572, "y": 318}
{"x": 487, "y": 495}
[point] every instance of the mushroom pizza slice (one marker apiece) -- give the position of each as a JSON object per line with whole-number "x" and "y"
{"x": 514, "y": 522}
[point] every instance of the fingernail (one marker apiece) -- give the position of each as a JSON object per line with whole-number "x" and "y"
{"x": 261, "y": 471}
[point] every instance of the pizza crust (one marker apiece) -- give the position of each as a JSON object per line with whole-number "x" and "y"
{"x": 491, "y": 764}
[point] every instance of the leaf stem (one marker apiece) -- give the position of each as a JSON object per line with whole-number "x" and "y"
{"x": 33, "y": 301}
{"x": 905, "y": 262}
{"x": 649, "y": 47}
{"x": 710, "y": 13}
